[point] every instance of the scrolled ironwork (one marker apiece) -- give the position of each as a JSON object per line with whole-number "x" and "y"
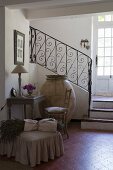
{"x": 61, "y": 59}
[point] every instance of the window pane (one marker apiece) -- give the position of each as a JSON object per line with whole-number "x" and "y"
{"x": 112, "y": 51}
{"x": 100, "y": 52}
{"x": 111, "y": 70}
{"x": 107, "y": 17}
{"x": 107, "y": 71}
{"x": 100, "y": 18}
{"x": 100, "y": 71}
{"x": 112, "y": 41}
{"x": 112, "y": 61}
{"x": 100, "y": 61}
{"x": 107, "y": 61}
{"x": 112, "y": 32}
{"x": 107, "y": 51}
{"x": 107, "y": 32}
{"x": 101, "y": 32}
{"x": 101, "y": 42}
{"x": 107, "y": 42}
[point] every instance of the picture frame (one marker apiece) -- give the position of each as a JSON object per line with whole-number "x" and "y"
{"x": 19, "y": 45}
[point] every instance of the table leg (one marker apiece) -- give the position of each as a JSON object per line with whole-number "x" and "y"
{"x": 9, "y": 112}
{"x": 33, "y": 114}
{"x": 24, "y": 111}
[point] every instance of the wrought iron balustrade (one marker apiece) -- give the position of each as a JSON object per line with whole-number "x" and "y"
{"x": 60, "y": 58}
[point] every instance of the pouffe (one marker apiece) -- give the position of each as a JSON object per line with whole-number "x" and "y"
{"x": 30, "y": 148}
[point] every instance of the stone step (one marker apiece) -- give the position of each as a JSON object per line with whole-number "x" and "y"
{"x": 102, "y": 109}
{"x": 102, "y": 105}
{"x": 86, "y": 119}
{"x": 102, "y": 102}
{"x": 97, "y": 124}
{"x": 101, "y": 113}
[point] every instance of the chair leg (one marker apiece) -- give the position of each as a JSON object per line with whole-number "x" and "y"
{"x": 65, "y": 127}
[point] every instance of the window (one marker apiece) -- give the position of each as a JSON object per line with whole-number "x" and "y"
{"x": 105, "y": 45}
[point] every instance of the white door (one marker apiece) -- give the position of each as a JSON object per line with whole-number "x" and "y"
{"x": 103, "y": 61}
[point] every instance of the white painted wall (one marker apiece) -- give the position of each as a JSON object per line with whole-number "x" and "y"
{"x": 2, "y": 59}
{"x": 70, "y": 31}
{"x": 13, "y": 19}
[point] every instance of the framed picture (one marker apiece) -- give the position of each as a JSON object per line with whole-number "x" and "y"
{"x": 19, "y": 45}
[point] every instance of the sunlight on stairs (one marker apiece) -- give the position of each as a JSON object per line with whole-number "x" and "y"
{"x": 101, "y": 114}
{"x": 101, "y": 107}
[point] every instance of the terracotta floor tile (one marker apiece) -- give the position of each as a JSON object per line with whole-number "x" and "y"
{"x": 84, "y": 150}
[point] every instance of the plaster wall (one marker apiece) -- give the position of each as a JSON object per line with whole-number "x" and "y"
{"x": 14, "y": 19}
{"x": 2, "y": 59}
{"x": 70, "y": 31}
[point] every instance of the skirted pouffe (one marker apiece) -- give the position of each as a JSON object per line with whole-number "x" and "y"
{"x": 33, "y": 147}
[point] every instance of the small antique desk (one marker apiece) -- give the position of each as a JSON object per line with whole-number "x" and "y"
{"x": 24, "y": 101}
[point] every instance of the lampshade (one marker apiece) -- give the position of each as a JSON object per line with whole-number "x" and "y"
{"x": 19, "y": 69}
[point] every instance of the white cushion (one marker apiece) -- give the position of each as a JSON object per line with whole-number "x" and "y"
{"x": 30, "y": 125}
{"x": 49, "y": 125}
{"x": 55, "y": 109}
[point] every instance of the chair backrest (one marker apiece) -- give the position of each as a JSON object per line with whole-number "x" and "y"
{"x": 67, "y": 97}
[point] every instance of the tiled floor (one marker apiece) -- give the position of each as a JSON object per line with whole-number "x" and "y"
{"x": 84, "y": 150}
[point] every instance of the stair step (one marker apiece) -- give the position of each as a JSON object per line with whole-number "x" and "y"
{"x": 97, "y": 120}
{"x": 102, "y": 99}
{"x": 102, "y": 109}
{"x": 102, "y": 105}
{"x": 97, "y": 124}
{"x": 102, "y": 102}
{"x": 101, "y": 113}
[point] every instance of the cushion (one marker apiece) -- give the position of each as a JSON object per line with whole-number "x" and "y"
{"x": 48, "y": 125}
{"x": 55, "y": 109}
{"x": 30, "y": 125}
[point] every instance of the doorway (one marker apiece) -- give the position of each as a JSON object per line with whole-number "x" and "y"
{"x": 103, "y": 55}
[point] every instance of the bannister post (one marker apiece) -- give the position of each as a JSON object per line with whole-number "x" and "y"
{"x": 77, "y": 67}
{"x": 66, "y": 59}
{"x": 45, "y": 52}
{"x": 89, "y": 85}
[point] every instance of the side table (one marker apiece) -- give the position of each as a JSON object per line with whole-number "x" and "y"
{"x": 24, "y": 100}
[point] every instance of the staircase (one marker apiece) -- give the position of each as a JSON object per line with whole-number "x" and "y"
{"x": 101, "y": 114}
{"x": 102, "y": 107}
{"x": 61, "y": 59}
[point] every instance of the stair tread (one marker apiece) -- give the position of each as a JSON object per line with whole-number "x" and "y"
{"x": 102, "y": 109}
{"x": 98, "y": 120}
{"x": 102, "y": 99}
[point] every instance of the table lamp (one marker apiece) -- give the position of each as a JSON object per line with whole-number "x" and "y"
{"x": 19, "y": 69}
